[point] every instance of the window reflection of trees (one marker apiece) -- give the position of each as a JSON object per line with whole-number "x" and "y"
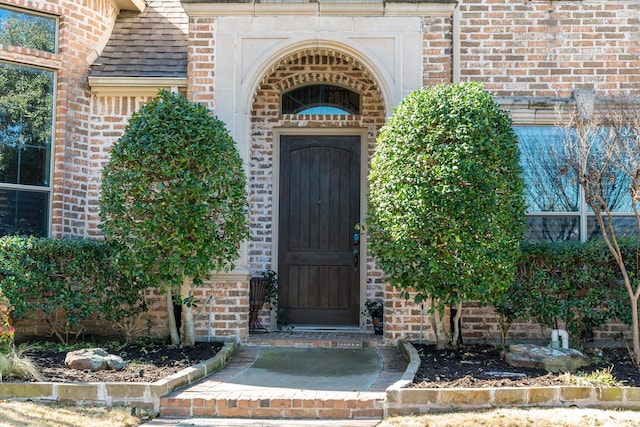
{"x": 550, "y": 187}
{"x": 28, "y": 30}
{"x": 554, "y": 204}
{"x": 26, "y": 125}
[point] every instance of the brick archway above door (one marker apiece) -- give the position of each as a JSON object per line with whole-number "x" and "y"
{"x": 311, "y": 66}
{"x": 300, "y": 68}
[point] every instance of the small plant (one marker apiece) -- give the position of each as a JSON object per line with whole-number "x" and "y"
{"x": 15, "y": 363}
{"x": 273, "y": 298}
{"x": 271, "y": 295}
{"x": 62, "y": 283}
{"x": 375, "y": 309}
{"x": 6, "y": 330}
{"x": 599, "y": 378}
{"x": 563, "y": 284}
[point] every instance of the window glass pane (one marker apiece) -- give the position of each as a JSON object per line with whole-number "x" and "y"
{"x": 549, "y": 185}
{"x": 306, "y": 100}
{"x": 26, "y": 111}
{"x": 614, "y": 185}
{"x": 23, "y": 212}
{"x": 552, "y": 228}
{"x": 28, "y": 30}
{"x": 324, "y": 110}
{"x": 624, "y": 227}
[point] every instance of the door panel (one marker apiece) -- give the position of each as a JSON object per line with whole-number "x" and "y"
{"x": 319, "y": 208}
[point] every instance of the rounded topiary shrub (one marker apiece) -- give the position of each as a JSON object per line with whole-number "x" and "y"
{"x": 174, "y": 194}
{"x": 446, "y": 205}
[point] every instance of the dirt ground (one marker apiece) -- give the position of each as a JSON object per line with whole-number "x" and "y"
{"x": 146, "y": 362}
{"x": 483, "y": 366}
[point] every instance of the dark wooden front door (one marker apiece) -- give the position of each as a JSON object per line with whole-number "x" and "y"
{"x": 319, "y": 209}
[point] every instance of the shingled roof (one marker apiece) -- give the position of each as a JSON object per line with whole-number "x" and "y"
{"x": 152, "y": 43}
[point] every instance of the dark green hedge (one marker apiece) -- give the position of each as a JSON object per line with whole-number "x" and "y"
{"x": 65, "y": 281}
{"x": 570, "y": 284}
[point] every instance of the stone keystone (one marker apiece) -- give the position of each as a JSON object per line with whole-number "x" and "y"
{"x": 550, "y": 359}
{"x": 93, "y": 359}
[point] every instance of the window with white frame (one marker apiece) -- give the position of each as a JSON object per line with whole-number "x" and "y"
{"x": 26, "y": 125}
{"x": 556, "y": 206}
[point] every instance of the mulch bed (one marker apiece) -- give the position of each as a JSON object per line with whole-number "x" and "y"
{"x": 146, "y": 362}
{"x": 465, "y": 367}
{"x": 474, "y": 366}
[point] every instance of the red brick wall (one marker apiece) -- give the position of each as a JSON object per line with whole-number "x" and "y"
{"x": 201, "y": 60}
{"x": 548, "y": 49}
{"x": 437, "y": 60}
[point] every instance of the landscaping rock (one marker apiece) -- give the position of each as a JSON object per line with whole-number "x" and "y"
{"x": 93, "y": 359}
{"x": 550, "y": 359}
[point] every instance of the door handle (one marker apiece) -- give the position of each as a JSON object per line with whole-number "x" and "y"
{"x": 356, "y": 252}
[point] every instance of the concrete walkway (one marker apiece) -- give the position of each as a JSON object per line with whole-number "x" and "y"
{"x": 336, "y": 369}
{"x": 263, "y": 376}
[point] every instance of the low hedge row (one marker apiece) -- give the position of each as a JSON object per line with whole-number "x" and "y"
{"x": 67, "y": 281}
{"x": 570, "y": 285}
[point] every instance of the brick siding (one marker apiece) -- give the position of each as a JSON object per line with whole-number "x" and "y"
{"x": 549, "y": 49}
{"x": 437, "y": 61}
{"x": 109, "y": 117}
{"x": 201, "y": 61}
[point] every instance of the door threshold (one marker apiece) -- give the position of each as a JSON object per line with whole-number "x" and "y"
{"x": 326, "y": 328}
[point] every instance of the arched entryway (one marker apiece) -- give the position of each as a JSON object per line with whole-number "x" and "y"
{"x": 308, "y": 184}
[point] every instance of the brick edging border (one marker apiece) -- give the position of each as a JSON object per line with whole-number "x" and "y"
{"x": 142, "y": 395}
{"x": 406, "y": 401}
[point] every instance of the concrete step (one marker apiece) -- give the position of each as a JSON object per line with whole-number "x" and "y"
{"x": 249, "y": 389}
{"x": 293, "y": 405}
{"x": 308, "y": 339}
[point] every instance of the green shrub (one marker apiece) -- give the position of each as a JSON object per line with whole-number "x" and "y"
{"x": 446, "y": 205}
{"x": 6, "y": 329}
{"x": 174, "y": 193}
{"x": 567, "y": 284}
{"x": 65, "y": 282}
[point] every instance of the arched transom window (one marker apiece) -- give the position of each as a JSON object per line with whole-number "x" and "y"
{"x": 320, "y": 99}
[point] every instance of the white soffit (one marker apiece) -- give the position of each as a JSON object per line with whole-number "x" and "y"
{"x": 138, "y": 5}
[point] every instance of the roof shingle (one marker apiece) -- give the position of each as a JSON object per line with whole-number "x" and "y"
{"x": 152, "y": 43}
